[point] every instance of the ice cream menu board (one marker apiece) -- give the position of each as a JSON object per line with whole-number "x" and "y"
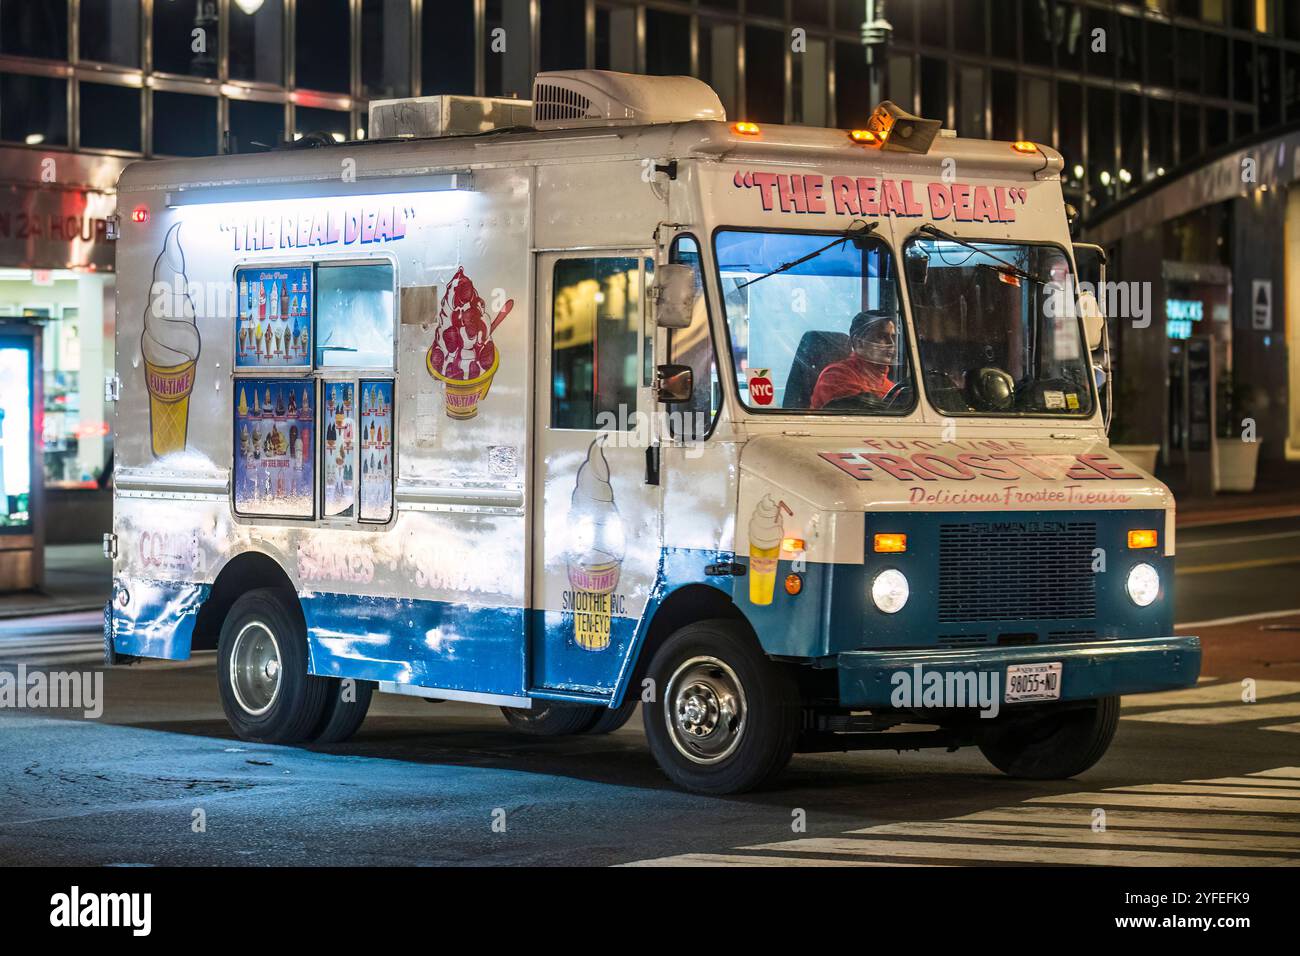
{"x": 273, "y": 329}
{"x": 376, "y": 450}
{"x": 274, "y": 456}
{"x": 339, "y": 470}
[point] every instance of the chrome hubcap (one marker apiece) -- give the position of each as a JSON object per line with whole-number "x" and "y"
{"x": 255, "y": 668}
{"x": 706, "y": 710}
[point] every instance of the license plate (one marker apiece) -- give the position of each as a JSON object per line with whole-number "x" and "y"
{"x": 1033, "y": 682}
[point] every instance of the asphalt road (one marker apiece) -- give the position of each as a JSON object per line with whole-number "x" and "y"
{"x": 1197, "y": 777}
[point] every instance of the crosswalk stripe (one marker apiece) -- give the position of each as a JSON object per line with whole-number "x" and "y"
{"x": 1170, "y": 801}
{"x": 997, "y": 853}
{"x": 737, "y": 859}
{"x": 1246, "y": 793}
{"x": 1231, "y": 714}
{"x": 1291, "y": 772}
{"x": 1285, "y": 728}
{"x": 1212, "y": 694}
{"x": 1282, "y": 783}
{"x": 1123, "y": 819}
{"x": 1028, "y": 833}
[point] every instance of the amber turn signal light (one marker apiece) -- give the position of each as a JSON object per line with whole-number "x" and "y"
{"x": 793, "y": 584}
{"x": 1142, "y": 539}
{"x": 746, "y": 129}
{"x": 1023, "y": 146}
{"x": 864, "y": 136}
{"x": 889, "y": 543}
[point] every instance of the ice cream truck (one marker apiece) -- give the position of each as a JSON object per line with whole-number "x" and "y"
{"x": 792, "y": 437}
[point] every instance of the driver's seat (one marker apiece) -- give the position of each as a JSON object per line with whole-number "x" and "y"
{"x": 816, "y": 350}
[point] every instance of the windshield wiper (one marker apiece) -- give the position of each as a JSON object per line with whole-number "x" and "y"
{"x": 1016, "y": 271}
{"x": 866, "y": 229}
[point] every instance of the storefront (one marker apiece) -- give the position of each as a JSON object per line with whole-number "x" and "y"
{"x": 56, "y": 278}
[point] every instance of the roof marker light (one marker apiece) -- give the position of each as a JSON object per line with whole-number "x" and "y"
{"x": 865, "y": 136}
{"x": 746, "y": 129}
{"x": 1024, "y": 146}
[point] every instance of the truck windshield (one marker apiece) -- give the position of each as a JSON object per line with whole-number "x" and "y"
{"x": 814, "y": 323}
{"x": 995, "y": 331}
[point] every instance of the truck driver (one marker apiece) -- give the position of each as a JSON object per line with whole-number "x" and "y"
{"x": 873, "y": 343}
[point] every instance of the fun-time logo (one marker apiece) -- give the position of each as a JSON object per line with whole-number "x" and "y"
{"x": 170, "y": 345}
{"x": 597, "y": 545}
{"x": 871, "y": 196}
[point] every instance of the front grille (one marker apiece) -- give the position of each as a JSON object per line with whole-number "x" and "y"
{"x": 1039, "y": 570}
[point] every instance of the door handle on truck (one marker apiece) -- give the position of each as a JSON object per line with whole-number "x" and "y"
{"x": 652, "y": 465}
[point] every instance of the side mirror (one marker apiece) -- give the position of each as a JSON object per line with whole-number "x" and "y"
{"x": 918, "y": 268}
{"x": 674, "y": 295}
{"x": 1094, "y": 323}
{"x": 674, "y": 384}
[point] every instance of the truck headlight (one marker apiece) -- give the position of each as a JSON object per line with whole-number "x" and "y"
{"x": 889, "y": 590}
{"x": 1143, "y": 584}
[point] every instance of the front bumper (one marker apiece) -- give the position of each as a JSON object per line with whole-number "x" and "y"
{"x": 1089, "y": 670}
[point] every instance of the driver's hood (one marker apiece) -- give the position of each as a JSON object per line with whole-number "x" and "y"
{"x": 829, "y": 482}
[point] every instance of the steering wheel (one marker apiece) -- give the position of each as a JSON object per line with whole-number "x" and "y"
{"x": 899, "y": 394}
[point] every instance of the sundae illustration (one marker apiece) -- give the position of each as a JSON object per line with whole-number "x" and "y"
{"x": 765, "y": 533}
{"x": 170, "y": 345}
{"x": 463, "y": 356}
{"x": 597, "y": 546}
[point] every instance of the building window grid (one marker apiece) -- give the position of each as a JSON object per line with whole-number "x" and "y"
{"x": 290, "y": 97}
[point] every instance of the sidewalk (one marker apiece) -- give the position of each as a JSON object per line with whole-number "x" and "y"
{"x": 77, "y": 578}
{"x": 1276, "y": 495}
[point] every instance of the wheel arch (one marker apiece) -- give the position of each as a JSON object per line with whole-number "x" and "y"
{"x": 244, "y": 572}
{"x": 685, "y": 605}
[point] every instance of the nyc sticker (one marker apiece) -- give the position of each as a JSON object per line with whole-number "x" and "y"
{"x": 761, "y": 390}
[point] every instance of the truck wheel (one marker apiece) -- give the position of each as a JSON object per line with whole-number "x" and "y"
{"x": 552, "y": 718}
{"x": 342, "y": 718}
{"x": 266, "y": 692}
{"x": 1052, "y": 745}
{"x": 612, "y": 718}
{"x": 725, "y": 718}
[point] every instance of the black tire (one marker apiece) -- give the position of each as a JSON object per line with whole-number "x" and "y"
{"x": 613, "y": 718}
{"x": 293, "y": 708}
{"x": 1051, "y": 744}
{"x": 342, "y": 718}
{"x": 552, "y": 718}
{"x": 734, "y": 755}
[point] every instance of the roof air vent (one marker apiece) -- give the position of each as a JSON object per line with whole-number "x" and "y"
{"x": 573, "y": 99}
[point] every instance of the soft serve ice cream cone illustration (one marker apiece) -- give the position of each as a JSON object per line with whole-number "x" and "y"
{"x": 596, "y": 547}
{"x": 170, "y": 345}
{"x": 765, "y": 533}
{"x": 463, "y": 356}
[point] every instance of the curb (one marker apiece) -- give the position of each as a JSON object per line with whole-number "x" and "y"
{"x": 47, "y": 610}
{"x": 1235, "y": 516}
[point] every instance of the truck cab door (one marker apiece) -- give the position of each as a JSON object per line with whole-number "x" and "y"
{"x": 596, "y": 522}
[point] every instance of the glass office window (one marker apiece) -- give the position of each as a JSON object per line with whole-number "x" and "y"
{"x": 322, "y": 47}
{"x": 255, "y": 126}
{"x": 1160, "y": 54}
{"x": 333, "y": 124}
{"x": 507, "y": 49}
{"x": 616, "y": 39}
{"x": 1130, "y": 141}
{"x": 256, "y": 41}
{"x": 34, "y": 111}
{"x": 1036, "y": 111}
{"x": 1188, "y": 62}
{"x": 34, "y": 28}
{"x": 1269, "y": 86}
{"x": 1127, "y": 48}
{"x": 775, "y": 9}
{"x": 667, "y": 43}
{"x": 1006, "y": 100}
{"x": 110, "y": 31}
{"x": 1291, "y": 85}
{"x": 810, "y": 13}
{"x": 386, "y": 48}
{"x": 1189, "y": 132}
{"x": 970, "y": 26}
{"x": 1038, "y": 31}
{"x": 970, "y": 101}
{"x": 110, "y": 117}
{"x": 902, "y": 81}
{"x": 1099, "y": 27}
{"x": 1101, "y": 143}
{"x": 186, "y": 37}
{"x": 1214, "y": 68}
{"x": 1160, "y": 137}
{"x": 1069, "y": 135}
{"x": 184, "y": 125}
{"x": 764, "y": 75}
{"x": 717, "y": 51}
{"x": 934, "y": 22}
{"x": 563, "y": 35}
{"x": 808, "y": 95}
{"x": 447, "y": 57}
{"x": 934, "y": 88}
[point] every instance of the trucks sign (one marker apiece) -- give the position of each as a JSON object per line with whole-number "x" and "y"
{"x": 871, "y": 196}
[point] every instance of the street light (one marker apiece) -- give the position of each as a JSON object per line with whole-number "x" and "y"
{"x": 876, "y": 32}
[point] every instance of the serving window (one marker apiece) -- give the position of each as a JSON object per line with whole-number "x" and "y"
{"x": 312, "y": 439}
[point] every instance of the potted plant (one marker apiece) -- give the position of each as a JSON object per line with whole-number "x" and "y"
{"x": 1124, "y": 438}
{"x": 1236, "y": 450}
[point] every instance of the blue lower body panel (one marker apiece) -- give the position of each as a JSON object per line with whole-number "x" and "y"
{"x": 867, "y": 679}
